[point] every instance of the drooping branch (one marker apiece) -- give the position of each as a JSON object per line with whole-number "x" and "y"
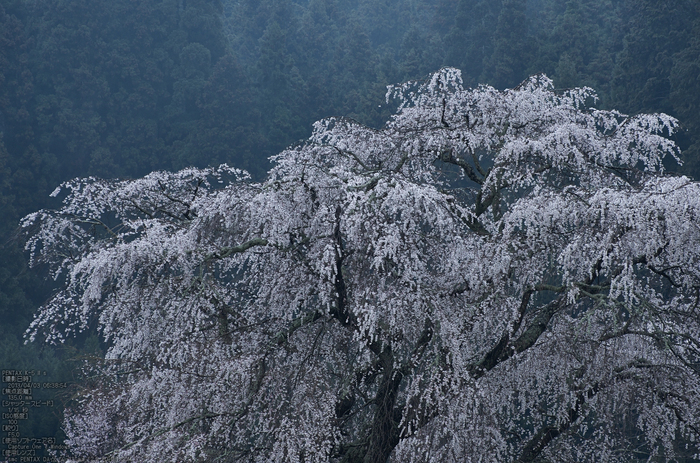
{"x": 187, "y": 215}
{"x": 228, "y": 251}
{"x": 532, "y": 450}
{"x": 157, "y": 434}
{"x": 449, "y": 157}
{"x": 95, "y": 222}
{"x": 499, "y": 352}
{"x": 283, "y": 336}
{"x": 506, "y": 348}
{"x": 368, "y": 185}
{"x": 536, "y": 328}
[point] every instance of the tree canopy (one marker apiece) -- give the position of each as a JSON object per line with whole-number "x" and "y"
{"x": 491, "y": 276}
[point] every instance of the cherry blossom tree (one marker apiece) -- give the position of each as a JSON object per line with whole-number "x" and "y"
{"x": 492, "y": 276}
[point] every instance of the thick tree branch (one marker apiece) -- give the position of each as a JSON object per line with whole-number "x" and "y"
{"x": 228, "y": 251}
{"x": 143, "y": 440}
{"x": 547, "y": 434}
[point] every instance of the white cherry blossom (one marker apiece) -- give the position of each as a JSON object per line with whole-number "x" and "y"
{"x": 492, "y": 276}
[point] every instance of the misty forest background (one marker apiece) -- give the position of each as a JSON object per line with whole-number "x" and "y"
{"x": 118, "y": 88}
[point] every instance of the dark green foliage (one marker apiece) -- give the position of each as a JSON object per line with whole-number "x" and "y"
{"x": 117, "y": 85}
{"x": 654, "y": 33}
{"x": 469, "y": 42}
{"x": 577, "y": 43}
{"x": 656, "y": 68}
{"x": 121, "y": 88}
{"x": 229, "y": 121}
{"x": 685, "y": 99}
{"x": 512, "y": 49}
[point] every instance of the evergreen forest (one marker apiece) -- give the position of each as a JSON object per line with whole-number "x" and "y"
{"x": 120, "y": 88}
